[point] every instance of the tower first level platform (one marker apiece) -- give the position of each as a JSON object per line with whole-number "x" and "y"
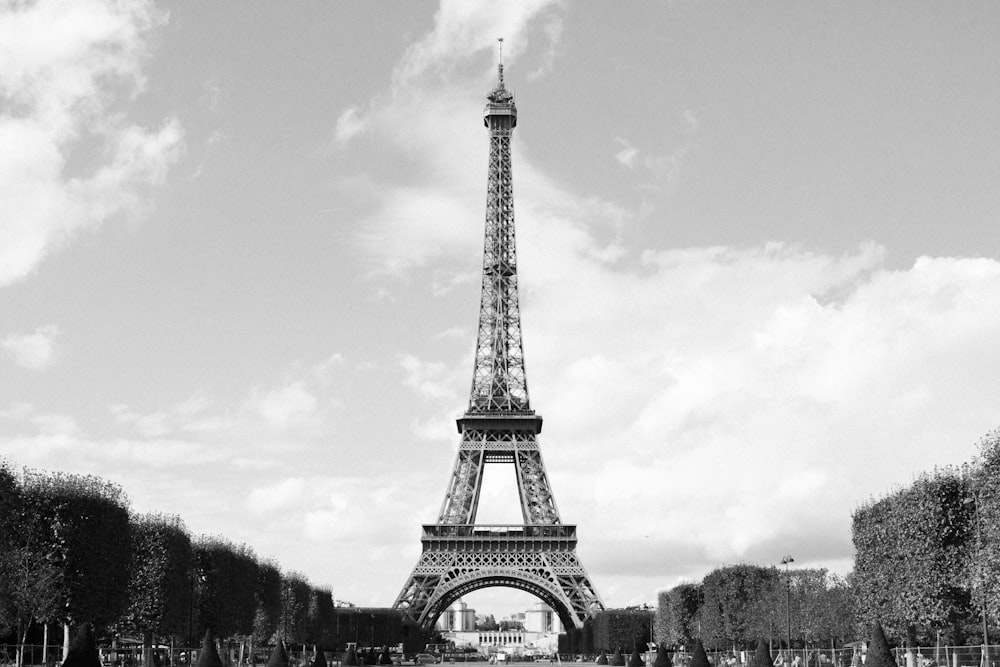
{"x": 460, "y": 558}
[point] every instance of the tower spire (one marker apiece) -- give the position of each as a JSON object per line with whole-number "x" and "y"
{"x": 500, "y": 62}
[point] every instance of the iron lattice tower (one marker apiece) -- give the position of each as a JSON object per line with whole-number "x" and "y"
{"x": 459, "y": 555}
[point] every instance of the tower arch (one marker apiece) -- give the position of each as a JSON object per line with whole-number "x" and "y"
{"x": 538, "y": 586}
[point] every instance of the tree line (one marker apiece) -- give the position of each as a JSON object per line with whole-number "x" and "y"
{"x": 927, "y": 566}
{"x": 72, "y": 552}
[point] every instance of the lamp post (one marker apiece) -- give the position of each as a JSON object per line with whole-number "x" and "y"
{"x": 788, "y": 601}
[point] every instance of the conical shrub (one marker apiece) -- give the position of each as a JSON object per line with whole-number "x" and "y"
{"x": 662, "y": 657}
{"x": 762, "y": 656}
{"x": 635, "y": 660}
{"x": 616, "y": 659}
{"x": 879, "y": 653}
{"x": 699, "y": 658}
{"x": 208, "y": 656}
{"x": 320, "y": 659}
{"x": 279, "y": 656}
{"x": 370, "y": 657}
{"x": 602, "y": 659}
{"x": 350, "y": 658}
{"x": 385, "y": 658}
{"x": 83, "y": 651}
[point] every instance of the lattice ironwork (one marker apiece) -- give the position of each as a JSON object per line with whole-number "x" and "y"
{"x": 499, "y": 427}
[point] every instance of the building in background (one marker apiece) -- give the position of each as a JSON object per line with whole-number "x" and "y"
{"x": 457, "y": 618}
{"x": 538, "y": 635}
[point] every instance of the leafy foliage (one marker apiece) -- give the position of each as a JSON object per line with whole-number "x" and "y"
{"x": 294, "y": 620}
{"x": 738, "y": 604}
{"x": 621, "y": 627}
{"x": 912, "y": 551}
{"x": 10, "y": 510}
{"x": 677, "y": 615}
{"x": 160, "y": 576}
{"x": 81, "y": 528}
{"x": 226, "y": 577}
{"x": 267, "y": 595}
{"x": 984, "y": 557}
{"x": 320, "y": 618}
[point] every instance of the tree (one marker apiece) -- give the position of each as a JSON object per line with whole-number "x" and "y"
{"x": 486, "y": 622}
{"x": 80, "y": 527}
{"x": 320, "y": 621}
{"x": 10, "y": 509}
{"x": 293, "y": 623}
{"x": 159, "y": 582}
{"x": 267, "y": 595}
{"x": 677, "y": 615}
{"x": 912, "y": 551}
{"x": 226, "y": 582}
{"x": 621, "y": 627}
{"x": 983, "y": 565}
{"x": 30, "y": 577}
{"x": 737, "y": 603}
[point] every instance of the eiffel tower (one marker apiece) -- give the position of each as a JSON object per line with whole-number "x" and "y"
{"x": 460, "y": 555}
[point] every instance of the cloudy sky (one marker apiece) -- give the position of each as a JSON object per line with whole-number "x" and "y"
{"x": 760, "y": 266}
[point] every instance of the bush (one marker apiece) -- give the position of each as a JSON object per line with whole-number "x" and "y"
{"x": 762, "y": 656}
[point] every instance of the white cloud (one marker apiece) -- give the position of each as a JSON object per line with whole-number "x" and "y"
{"x": 430, "y": 379}
{"x": 66, "y": 72}
{"x": 34, "y": 351}
{"x": 287, "y": 494}
{"x": 350, "y": 123}
{"x": 627, "y": 155}
{"x": 285, "y": 406}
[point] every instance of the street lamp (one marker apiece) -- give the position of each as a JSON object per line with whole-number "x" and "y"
{"x": 788, "y": 600}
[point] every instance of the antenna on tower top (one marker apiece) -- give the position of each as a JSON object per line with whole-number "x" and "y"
{"x": 500, "y": 59}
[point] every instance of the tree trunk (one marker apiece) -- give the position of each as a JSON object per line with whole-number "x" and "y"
{"x": 45, "y": 644}
{"x": 65, "y": 640}
{"x": 147, "y": 648}
{"x": 22, "y": 635}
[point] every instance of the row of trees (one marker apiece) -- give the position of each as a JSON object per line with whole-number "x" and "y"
{"x": 927, "y": 567}
{"x": 927, "y": 558}
{"x": 735, "y": 605}
{"x": 71, "y": 552}
{"x": 609, "y": 629}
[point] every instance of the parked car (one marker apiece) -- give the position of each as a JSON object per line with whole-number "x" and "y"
{"x": 425, "y": 659}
